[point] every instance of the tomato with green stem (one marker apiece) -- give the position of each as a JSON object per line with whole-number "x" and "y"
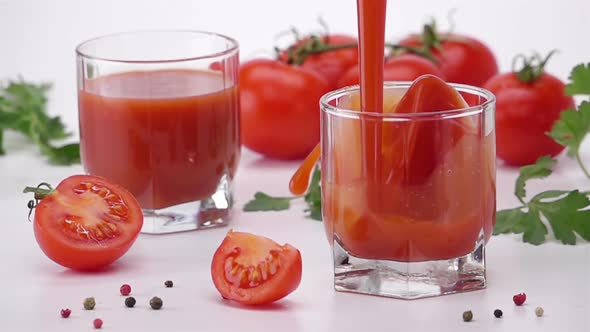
{"x": 462, "y": 59}
{"x": 330, "y": 55}
{"x": 528, "y": 102}
{"x": 252, "y": 269}
{"x": 86, "y": 222}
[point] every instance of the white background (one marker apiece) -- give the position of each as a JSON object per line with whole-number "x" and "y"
{"x": 37, "y": 41}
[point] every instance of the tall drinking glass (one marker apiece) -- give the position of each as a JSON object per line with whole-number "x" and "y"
{"x": 421, "y": 229}
{"x": 159, "y": 115}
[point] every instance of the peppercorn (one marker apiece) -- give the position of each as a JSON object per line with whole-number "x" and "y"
{"x": 156, "y": 303}
{"x": 519, "y": 298}
{"x": 65, "y": 313}
{"x": 539, "y": 311}
{"x": 498, "y": 313}
{"x": 130, "y": 302}
{"x": 125, "y": 289}
{"x": 97, "y": 323}
{"x": 168, "y": 283}
{"x": 89, "y": 303}
{"x": 467, "y": 316}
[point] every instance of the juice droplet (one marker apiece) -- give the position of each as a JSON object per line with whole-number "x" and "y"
{"x": 300, "y": 179}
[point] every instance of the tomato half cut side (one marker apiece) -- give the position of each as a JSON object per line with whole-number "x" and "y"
{"x": 87, "y": 222}
{"x": 252, "y": 269}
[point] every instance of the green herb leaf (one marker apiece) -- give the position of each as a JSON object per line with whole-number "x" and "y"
{"x": 313, "y": 197}
{"x": 572, "y": 127}
{"x": 509, "y": 221}
{"x": 66, "y": 155}
{"x": 580, "y": 81}
{"x": 565, "y": 211}
{"x": 538, "y": 170}
{"x": 534, "y": 229}
{"x": 566, "y": 216}
{"x": 2, "y": 151}
{"x": 264, "y": 202}
{"x": 23, "y": 108}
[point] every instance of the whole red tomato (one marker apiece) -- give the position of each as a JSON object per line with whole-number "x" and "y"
{"x": 405, "y": 67}
{"x": 86, "y": 222}
{"x": 526, "y": 109}
{"x": 461, "y": 58}
{"x": 280, "y": 115}
{"x": 329, "y": 55}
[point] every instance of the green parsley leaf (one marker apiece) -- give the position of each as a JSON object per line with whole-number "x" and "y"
{"x": 566, "y": 216}
{"x": 23, "y": 108}
{"x": 538, "y": 170}
{"x": 516, "y": 221}
{"x": 572, "y": 127}
{"x": 580, "y": 81}
{"x": 2, "y": 151}
{"x": 534, "y": 229}
{"x": 313, "y": 197}
{"x": 264, "y": 202}
{"x": 509, "y": 221}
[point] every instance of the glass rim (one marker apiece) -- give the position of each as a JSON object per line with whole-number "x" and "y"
{"x": 234, "y": 46}
{"x": 454, "y": 113}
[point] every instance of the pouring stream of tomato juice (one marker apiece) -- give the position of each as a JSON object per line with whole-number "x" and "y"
{"x": 371, "y": 31}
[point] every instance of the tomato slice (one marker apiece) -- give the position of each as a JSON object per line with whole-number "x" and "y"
{"x": 87, "y": 222}
{"x": 252, "y": 269}
{"x": 423, "y": 143}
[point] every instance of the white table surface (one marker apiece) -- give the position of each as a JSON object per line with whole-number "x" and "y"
{"x": 37, "y": 42}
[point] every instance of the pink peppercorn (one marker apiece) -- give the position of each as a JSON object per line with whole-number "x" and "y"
{"x": 519, "y": 298}
{"x": 65, "y": 313}
{"x": 97, "y": 323}
{"x": 125, "y": 290}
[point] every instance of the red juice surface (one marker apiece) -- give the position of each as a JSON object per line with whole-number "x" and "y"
{"x": 167, "y": 135}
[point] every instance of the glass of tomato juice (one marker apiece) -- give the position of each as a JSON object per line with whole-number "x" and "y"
{"x": 159, "y": 115}
{"x": 413, "y": 219}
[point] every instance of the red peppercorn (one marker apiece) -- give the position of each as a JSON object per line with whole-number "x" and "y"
{"x": 97, "y": 323}
{"x": 519, "y": 298}
{"x": 125, "y": 290}
{"x": 65, "y": 313}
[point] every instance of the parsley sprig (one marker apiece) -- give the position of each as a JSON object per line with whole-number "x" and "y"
{"x": 23, "y": 108}
{"x": 566, "y": 212}
{"x": 313, "y": 199}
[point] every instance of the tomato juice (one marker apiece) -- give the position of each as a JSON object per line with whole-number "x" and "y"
{"x": 436, "y": 198}
{"x": 168, "y": 136}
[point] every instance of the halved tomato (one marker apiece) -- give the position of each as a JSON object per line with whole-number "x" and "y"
{"x": 252, "y": 269}
{"x": 87, "y": 222}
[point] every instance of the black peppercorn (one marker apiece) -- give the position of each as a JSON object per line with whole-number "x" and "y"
{"x": 498, "y": 313}
{"x": 130, "y": 302}
{"x": 156, "y": 303}
{"x": 467, "y": 316}
{"x": 168, "y": 283}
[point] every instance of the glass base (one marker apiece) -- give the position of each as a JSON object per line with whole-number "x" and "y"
{"x": 409, "y": 281}
{"x": 213, "y": 211}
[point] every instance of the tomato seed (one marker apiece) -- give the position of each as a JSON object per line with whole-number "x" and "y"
{"x": 65, "y": 313}
{"x": 125, "y": 289}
